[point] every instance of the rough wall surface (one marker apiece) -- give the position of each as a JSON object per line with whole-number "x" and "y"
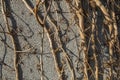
{"x": 76, "y": 40}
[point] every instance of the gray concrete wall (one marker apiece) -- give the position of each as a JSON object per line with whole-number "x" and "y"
{"x": 29, "y": 37}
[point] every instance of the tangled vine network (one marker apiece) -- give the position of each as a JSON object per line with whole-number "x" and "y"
{"x": 82, "y": 35}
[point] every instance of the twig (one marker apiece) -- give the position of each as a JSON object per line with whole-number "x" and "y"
{"x": 24, "y": 51}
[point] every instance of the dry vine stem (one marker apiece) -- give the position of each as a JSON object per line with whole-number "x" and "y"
{"x": 51, "y": 46}
{"x": 114, "y": 23}
{"x": 111, "y": 28}
{"x": 79, "y": 14}
{"x": 93, "y": 44}
{"x": 42, "y": 41}
{"x": 64, "y": 53}
{"x": 51, "y": 41}
{"x": 115, "y": 33}
{"x": 61, "y": 47}
{"x": 94, "y": 14}
{"x": 12, "y": 39}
